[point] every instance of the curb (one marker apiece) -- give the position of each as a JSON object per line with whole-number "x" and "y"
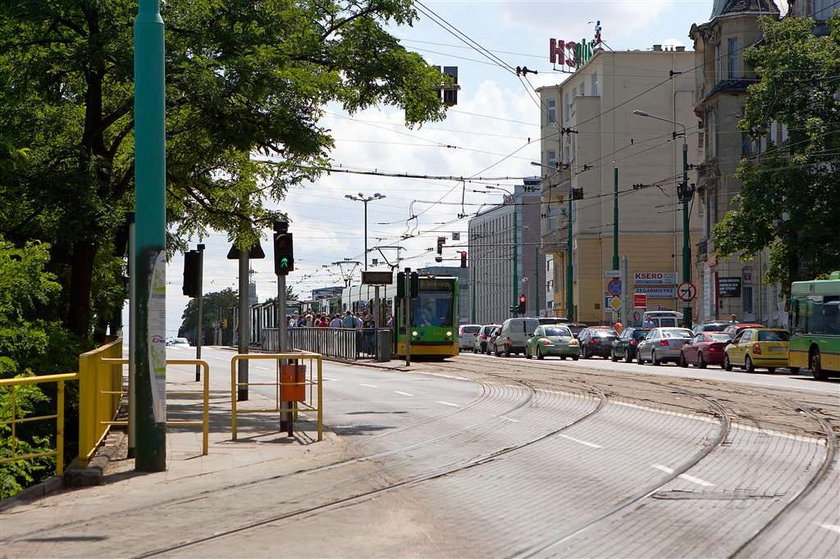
{"x": 46, "y": 487}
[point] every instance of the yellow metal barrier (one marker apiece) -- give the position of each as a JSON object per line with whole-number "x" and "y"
{"x": 294, "y": 407}
{"x": 100, "y": 390}
{"x": 205, "y": 414}
{"x": 58, "y": 451}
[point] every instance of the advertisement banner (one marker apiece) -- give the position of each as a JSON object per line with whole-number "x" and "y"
{"x": 655, "y": 278}
{"x": 156, "y": 324}
{"x": 658, "y": 292}
{"x": 729, "y": 286}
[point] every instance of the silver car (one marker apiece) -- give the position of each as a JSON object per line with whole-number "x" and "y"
{"x": 467, "y": 334}
{"x": 662, "y": 345}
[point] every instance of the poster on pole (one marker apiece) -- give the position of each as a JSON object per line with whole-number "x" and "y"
{"x": 156, "y": 331}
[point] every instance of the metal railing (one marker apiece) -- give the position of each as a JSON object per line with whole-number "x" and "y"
{"x": 58, "y": 452}
{"x": 349, "y": 344}
{"x": 100, "y": 391}
{"x": 290, "y": 396}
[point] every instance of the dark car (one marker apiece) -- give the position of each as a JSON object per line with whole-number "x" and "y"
{"x": 733, "y": 329}
{"x": 624, "y": 347}
{"x": 710, "y": 327}
{"x": 596, "y": 341}
{"x": 705, "y": 348}
{"x": 576, "y": 328}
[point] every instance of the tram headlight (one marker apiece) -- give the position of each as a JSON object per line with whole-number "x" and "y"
{"x": 449, "y": 334}
{"x": 414, "y": 334}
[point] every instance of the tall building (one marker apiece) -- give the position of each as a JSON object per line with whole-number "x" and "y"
{"x": 819, "y": 10}
{"x": 732, "y": 285}
{"x": 596, "y": 152}
{"x": 505, "y": 257}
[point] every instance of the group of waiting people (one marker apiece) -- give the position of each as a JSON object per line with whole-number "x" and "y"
{"x": 323, "y": 320}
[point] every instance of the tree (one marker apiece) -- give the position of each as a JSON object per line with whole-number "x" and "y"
{"x": 791, "y": 190}
{"x": 243, "y": 77}
{"x": 216, "y": 307}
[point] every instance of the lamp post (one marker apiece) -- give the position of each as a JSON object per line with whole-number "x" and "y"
{"x": 684, "y": 194}
{"x": 365, "y": 199}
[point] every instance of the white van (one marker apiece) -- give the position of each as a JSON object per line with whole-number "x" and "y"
{"x": 662, "y": 319}
{"x": 515, "y": 332}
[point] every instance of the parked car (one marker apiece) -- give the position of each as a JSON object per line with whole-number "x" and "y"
{"x": 482, "y": 339}
{"x": 466, "y": 335}
{"x": 180, "y": 342}
{"x": 576, "y": 328}
{"x": 733, "y": 329}
{"x": 706, "y": 348}
{"x": 625, "y": 345}
{"x": 552, "y": 339}
{"x": 513, "y": 335}
{"x": 491, "y": 340}
{"x": 596, "y": 341}
{"x": 662, "y": 319}
{"x": 710, "y": 327}
{"x": 757, "y": 347}
{"x": 662, "y": 345}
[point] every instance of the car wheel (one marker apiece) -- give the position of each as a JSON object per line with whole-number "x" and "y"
{"x": 771, "y": 370}
{"x": 727, "y": 364}
{"x": 639, "y": 359}
{"x": 653, "y": 358}
{"x": 627, "y": 357}
{"x": 701, "y": 361}
{"x": 496, "y": 351}
{"x": 562, "y": 357}
{"x": 575, "y": 357}
{"x": 683, "y": 362}
{"x": 748, "y": 365}
{"x": 794, "y": 370}
{"x": 507, "y": 353}
{"x": 815, "y": 364}
{"x": 528, "y": 353}
{"x": 540, "y": 353}
{"x": 613, "y": 357}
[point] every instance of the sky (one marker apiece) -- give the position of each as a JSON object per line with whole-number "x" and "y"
{"x": 492, "y": 132}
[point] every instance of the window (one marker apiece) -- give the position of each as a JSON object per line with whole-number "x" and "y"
{"x": 551, "y": 105}
{"x": 718, "y": 64}
{"x": 711, "y": 136}
{"x": 594, "y": 83}
{"x": 551, "y": 160}
{"x": 732, "y": 59}
{"x": 746, "y": 144}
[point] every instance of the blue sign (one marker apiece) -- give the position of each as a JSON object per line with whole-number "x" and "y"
{"x": 614, "y": 287}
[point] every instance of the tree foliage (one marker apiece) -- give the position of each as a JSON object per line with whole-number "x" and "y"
{"x": 791, "y": 191}
{"x": 243, "y": 77}
{"x": 216, "y": 307}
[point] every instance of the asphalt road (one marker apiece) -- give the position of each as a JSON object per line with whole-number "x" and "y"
{"x": 480, "y": 456}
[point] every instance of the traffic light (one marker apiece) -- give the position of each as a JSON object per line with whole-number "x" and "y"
{"x": 414, "y": 285}
{"x": 464, "y": 259}
{"x": 522, "y": 302}
{"x": 440, "y": 242}
{"x": 192, "y": 269}
{"x": 284, "y": 256}
{"x": 400, "y": 285}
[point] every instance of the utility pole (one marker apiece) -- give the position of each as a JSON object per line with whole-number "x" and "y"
{"x": 537, "y": 279}
{"x": 615, "y": 219}
{"x": 199, "y": 329}
{"x": 570, "y": 294}
{"x": 149, "y": 306}
{"x": 244, "y": 326}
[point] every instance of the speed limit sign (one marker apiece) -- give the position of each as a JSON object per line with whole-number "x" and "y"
{"x": 687, "y": 291}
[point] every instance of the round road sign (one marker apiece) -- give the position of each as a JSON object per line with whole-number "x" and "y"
{"x": 614, "y": 286}
{"x": 687, "y": 291}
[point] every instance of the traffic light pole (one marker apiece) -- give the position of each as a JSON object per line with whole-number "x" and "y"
{"x": 149, "y": 305}
{"x": 199, "y": 329}
{"x": 686, "y": 257}
{"x": 407, "y": 299}
{"x": 244, "y": 326}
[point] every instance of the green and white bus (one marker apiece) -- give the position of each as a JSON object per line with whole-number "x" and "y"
{"x": 815, "y": 326}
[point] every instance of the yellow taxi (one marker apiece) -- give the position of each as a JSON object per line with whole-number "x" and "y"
{"x": 757, "y": 347}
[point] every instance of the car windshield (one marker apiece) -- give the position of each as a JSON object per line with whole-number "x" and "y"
{"x": 557, "y": 331}
{"x": 676, "y": 333}
{"x": 720, "y": 337}
{"x": 773, "y": 336}
{"x": 719, "y": 327}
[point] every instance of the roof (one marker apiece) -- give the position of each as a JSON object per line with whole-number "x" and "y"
{"x": 726, "y": 7}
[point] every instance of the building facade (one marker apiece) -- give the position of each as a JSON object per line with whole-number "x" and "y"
{"x": 596, "y": 154}
{"x": 505, "y": 256}
{"x": 727, "y": 286}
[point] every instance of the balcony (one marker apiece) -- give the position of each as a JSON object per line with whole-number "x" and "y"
{"x": 738, "y": 85}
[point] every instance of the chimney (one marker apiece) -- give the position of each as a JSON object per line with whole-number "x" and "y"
{"x": 680, "y": 49}
{"x": 657, "y": 48}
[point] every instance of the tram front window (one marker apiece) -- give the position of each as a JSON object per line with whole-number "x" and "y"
{"x": 431, "y": 309}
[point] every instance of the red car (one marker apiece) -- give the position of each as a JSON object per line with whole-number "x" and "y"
{"x": 705, "y": 348}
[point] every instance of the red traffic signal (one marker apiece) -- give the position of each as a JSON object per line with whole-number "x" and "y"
{"x": 464, "y": 259}
{"x": 523, "y": 300}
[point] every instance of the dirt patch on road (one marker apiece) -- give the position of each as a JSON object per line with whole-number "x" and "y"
{"x": 764, "y": 408}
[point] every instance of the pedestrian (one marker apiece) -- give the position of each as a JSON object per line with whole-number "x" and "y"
{"x": 390, "y": 322}
{"x": 336, "y": 321}
{"x": 648, "y": 323}
{"x": 618, "y": 327}
{"x": 733, "y": 319}
{"x": 349, "y": 320}
{"x": 367, "y": 321}
{"x": 358, "y": 320}
{"x": 293, "y": 322}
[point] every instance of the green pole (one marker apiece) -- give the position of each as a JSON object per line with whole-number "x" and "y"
{"x": 570, "y": 294}
{"x": 686, "y": 257}
{"x": 150, "y": 212}
{"x": 515, "y": 303}
{"x": 615, "y": 219}
{"x": 537, "y": 279}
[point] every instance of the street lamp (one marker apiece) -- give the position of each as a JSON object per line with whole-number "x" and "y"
{"x": 684, "y": 194}
{"x": 365, "y": 199}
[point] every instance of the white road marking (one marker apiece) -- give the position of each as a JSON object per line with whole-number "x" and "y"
{"x": 403, "y": 393}
{"x": 369, "y": 385}
{"x": 686, "y": 477}
{"x": 263, "y": 368}
{"x": 332, "y": 379}
{"x": 509, "y": 419}
{"x": 593, "y": 445}
{"x": 831, "y": 527}
{"x": 449, "y": 404}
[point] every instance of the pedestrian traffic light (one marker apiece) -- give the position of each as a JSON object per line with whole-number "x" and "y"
{"x": 284, "y": 257}
{"x": 440, "y": 242}
{"x": 414, "y": 286}
{"x": 192, "y": 270}
{"x": 464, "y": 259}
{"x": 522, "y": 302}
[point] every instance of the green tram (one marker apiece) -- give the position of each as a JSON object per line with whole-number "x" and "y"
{"x": 815, "y": 326}
{"x": 434, "y": 314}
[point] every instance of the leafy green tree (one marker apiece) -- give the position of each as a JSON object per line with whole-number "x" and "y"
{"x": 243, "y": 77}
{"x": 216, "y": 307}
{"x": 791, "y": 192}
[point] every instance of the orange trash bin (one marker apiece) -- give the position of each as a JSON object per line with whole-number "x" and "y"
{"x": 289, "y": 375}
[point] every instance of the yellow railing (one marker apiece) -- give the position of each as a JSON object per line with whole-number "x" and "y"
{"x": 100, "y": 390}
{"x": 311, "y": 381}
{"x": 58, "y": 416}
{"x": 205, "y": 413}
